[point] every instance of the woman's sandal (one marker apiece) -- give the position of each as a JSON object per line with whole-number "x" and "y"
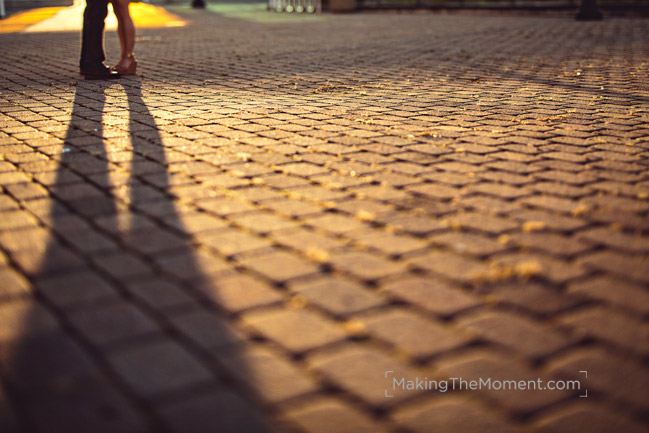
{"x": 130, "y": 70}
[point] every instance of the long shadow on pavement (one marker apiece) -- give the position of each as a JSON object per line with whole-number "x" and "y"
{"x": 114, "y": 339}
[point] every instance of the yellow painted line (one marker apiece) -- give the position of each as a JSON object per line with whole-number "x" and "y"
{"x": 151, "y": 16}
{"x": 22, "y": 20}
{"x": 71, "y": 19}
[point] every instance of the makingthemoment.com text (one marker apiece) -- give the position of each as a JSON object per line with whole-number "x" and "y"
{"x": 460, "y": 384}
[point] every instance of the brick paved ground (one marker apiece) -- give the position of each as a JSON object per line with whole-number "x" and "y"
{"x": 248, "y": 235}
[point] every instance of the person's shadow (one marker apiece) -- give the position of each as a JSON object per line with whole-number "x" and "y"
{"x": 115, "y": 339}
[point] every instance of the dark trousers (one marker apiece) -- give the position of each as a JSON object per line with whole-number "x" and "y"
{"x": 92, "y": 35}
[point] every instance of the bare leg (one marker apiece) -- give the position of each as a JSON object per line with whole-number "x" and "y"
{"x": 120, "y": 28}
{"x": 126, "y": 30}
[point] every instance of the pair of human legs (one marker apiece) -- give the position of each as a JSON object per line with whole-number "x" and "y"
{"x": 126, "y": 31}
{"x": 91, "y": 64}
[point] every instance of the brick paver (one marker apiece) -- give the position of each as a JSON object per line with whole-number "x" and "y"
{"x": 250, "y": 233}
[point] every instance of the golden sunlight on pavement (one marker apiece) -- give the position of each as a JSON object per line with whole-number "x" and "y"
{"x": 22, "y": 20}
{"x": 71, "y": 18}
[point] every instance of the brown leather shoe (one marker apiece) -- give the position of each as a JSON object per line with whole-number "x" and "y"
{"x": 102, "y": 73}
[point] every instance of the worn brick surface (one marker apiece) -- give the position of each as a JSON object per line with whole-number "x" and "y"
{"x": 592, "y": 418}
{"x": 278, "y": 209}
{"x": 452, "y": 414}
{"x": 45, "y": 363}
{"x": 112, "y": 323}
{"x": 90, "y": 407}
{"x": 270, "y": 375}
{"x": 533, "y": 297}
{"x": 432, "y": 294}
{"x": 158, "y": 367}
{"x": 613, "y": 377}
{"x": 22, "y": 318}
{"x": 200, "y": 413}
{"x": 8, "y": 420}
{"x": 625, "y": 294}
{"x": 355, "y": 369}
{"x": 327, "y": 416}
{"x": 412, "y": 334}
{"x": 297, "y": 330}
{"x": 235, "y": 293}
{"x": 608, "y": 324}
{"x": 527, "y": 337}
{"x": 12, "y": 284}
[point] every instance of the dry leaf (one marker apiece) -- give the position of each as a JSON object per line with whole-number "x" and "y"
{"x": 580, "y": 210}
{"x": 317, "y": 254}
{"x": 528, "y": 268}
{"x": 296, "y": 302}
{"x": 355, "y": 328}
{"x": 533, "y": 226}
{"x": 503, "y": 239}
{"x": 364, "y": 215}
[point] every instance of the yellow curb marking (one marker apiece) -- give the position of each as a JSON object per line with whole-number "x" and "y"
{"x": 150, "y": 16}
{"x": 144, "y": 16}
{"x": 20, "y": 21}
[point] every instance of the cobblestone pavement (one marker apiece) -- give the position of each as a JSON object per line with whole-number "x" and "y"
{"x": 273, "y": 218}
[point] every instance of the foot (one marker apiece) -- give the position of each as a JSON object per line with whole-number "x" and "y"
{"x": 123, "y": 64}
{"x": 126, "y": 65}
{"x": 100, "y": 73}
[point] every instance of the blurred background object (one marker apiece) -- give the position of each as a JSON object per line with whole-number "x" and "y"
{"x": 589, "y": 11}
